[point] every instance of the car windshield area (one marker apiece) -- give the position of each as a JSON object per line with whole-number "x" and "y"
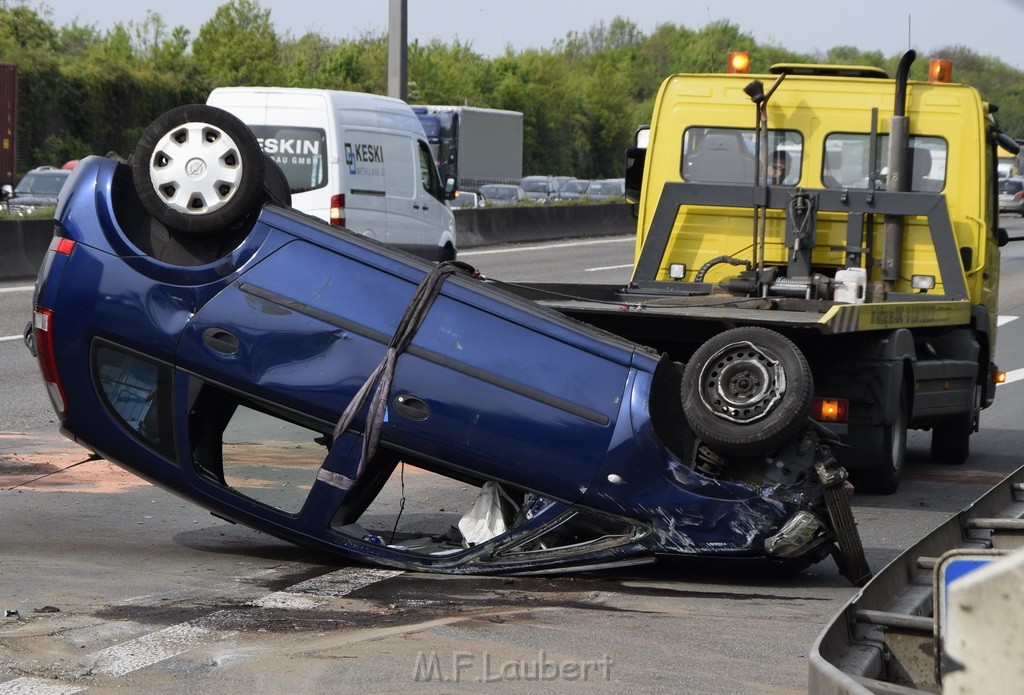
{"x": 727, "y": 155}
{"x": 48, "y": 184}
{"x": 1011, "y": 186}
{"x": 603, "y": 188}
{"x": 575, "y": 186}
{"x": 538, "y": 186}
{"x": 498, "y": 192}
{"x": 300, "y": 152}
{"x": 847, "y": 162}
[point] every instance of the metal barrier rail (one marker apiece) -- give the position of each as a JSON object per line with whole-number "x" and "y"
{"x": 883, "y": 641}
{"x": 23, "y": 243}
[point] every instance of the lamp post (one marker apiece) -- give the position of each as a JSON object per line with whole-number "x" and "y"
{"x": 398, "y": 49}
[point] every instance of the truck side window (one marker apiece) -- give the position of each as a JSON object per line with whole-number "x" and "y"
{"x": 726, "y": 155}
{"x": 846, "y": 161}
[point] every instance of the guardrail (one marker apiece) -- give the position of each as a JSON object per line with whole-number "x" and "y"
{"x": 884, "y": 639}
{"x": 23, "y": 243}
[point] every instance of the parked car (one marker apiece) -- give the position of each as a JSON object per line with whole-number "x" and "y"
{"x": 607, "y": 189}
{"x": 573, "y": 189}
{"x": 540, "y": 188}
{"x": 38, "y": 189}
{"x": 500, "y": 194}
{"x": 1011, "y": 195}
{"x": 277, "y": 370}
{"x": 467, "y": 199}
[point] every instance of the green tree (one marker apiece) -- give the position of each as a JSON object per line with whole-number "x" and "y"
{"x": 446, "y": 74}
{"x": 238, "y": 46}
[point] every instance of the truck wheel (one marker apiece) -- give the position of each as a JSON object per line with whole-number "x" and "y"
{"x": 198, "y": 169}
{"x": 746, "y": 391}
{"x": 886, "y": 445}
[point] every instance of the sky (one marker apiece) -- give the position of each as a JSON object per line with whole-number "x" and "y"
{"x": 988, "y": 27}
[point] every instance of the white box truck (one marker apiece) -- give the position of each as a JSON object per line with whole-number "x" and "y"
{"x": 355, "y": 160}
{"x": 475, "y": 146}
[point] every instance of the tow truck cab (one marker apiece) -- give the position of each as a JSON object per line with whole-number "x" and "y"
{"x": 882, "y": 218}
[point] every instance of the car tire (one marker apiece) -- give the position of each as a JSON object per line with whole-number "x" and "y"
{"x": 886, "y": 444}
{"x": 747, "y": 391}
{"x": 275, "y": 182}
{"x": 198, "y": 170}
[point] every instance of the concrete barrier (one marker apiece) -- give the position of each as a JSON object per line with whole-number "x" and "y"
{"x": 487, "y": 226}
{"x": 23, "y": 243}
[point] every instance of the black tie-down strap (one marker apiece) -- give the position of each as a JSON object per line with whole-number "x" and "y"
{"x": 380, "y": 379}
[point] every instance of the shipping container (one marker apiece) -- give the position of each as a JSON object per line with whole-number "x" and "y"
{"x": 8, "y": 120}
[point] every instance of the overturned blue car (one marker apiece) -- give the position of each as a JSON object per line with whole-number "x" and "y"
{"x": 194, "y": 329}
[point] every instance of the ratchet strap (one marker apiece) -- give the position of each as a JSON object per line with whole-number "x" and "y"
{"x": 379, "y": 381}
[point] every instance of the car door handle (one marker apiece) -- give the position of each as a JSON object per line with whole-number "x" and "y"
{"x": 221, "y": 341}
{"x": 411, "y": 407}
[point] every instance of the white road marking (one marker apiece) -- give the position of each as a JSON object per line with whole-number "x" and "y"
{"x": 343, "y": 582}
{"x": 284, "y": 599}
{"x": 29, "y": 685}
{"x": 540, "y": 247}
{"x": 6, "y": 338}
{"x": 20, "y": 288}
{"x": 303, "y": 596}
{"x": 1015, "y": 375}
{"x": 141, "y": 652}
{"x": 609, "y": 267}
{"x": 124, "y": 658}
{"x": 1005, "y": 319}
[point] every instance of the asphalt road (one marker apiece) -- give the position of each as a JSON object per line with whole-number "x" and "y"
{"x": 112, "y": 584}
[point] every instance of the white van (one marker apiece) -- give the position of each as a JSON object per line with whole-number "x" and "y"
{"x": 356, "y": 160}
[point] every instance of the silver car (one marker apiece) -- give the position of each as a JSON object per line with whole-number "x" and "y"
{"x": 1011, "y": 195}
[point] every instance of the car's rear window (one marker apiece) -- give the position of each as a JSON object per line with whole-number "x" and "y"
{"x": 1010, "y": 186}
{"x": 42, "y": 184}
{"x": 300, "y": 152}
{"x": 137, "y": 391}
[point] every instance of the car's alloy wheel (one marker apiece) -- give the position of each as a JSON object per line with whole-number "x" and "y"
{"x": 198, "y": 169}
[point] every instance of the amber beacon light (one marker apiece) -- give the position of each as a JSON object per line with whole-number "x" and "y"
{"x": 940, "y": 70}
{"x": 739, "y": 62}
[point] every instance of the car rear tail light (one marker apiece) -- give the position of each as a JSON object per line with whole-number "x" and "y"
{"x": 42, "y": 333}
{"x": 338, "y": 210}
{"x": 830, "y": 409}
{"x": 42, "y": 330}
{"x": 1019, "y": 196}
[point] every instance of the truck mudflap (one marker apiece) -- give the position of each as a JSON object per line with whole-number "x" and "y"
{"x": 888, "y": 637}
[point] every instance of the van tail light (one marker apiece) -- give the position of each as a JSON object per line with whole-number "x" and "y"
{"x": 42, "y": 330}
{"x": 338, "y": 210}
{"x": 830, "y": 409}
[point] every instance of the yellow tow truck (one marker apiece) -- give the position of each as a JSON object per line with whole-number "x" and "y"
{"x": 822, "y": 240}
